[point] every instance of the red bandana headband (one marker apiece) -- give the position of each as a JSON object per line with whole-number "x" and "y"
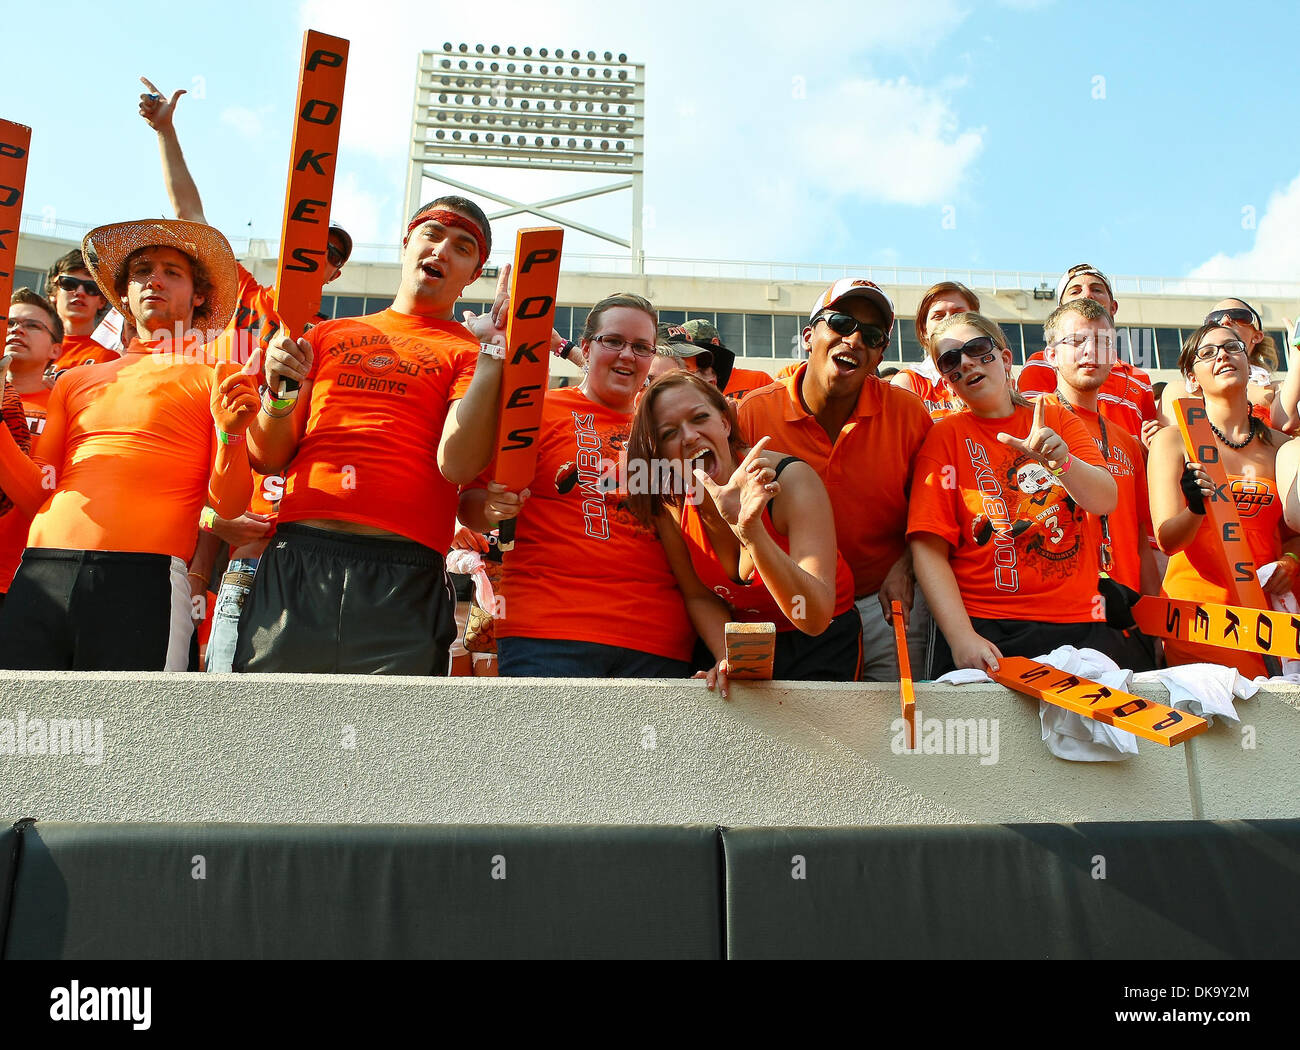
{"x": 451, "y": 218}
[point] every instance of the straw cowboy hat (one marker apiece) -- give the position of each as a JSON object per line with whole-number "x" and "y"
{"x": 107, "y": 248}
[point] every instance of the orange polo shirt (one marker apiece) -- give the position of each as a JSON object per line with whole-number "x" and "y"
{"x": 14, "y": 525}
{"x": 381, "y": 388}
{"x": 867, "y": 470}
{"x": 82, "y": 350}
{"x": 128, "y": 457}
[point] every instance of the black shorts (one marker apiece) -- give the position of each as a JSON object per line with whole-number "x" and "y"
{"x": 333, "y": 603}
{"x": 1026, "y": 638}
{"x": 835, "y": 655}
{"x": 97, "y": 611}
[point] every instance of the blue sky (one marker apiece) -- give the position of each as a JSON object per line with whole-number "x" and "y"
{"x": 817, "y": 132}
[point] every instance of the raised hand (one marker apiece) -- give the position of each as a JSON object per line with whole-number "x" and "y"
{"x": 156, "y": 108}
{"x": 749, "y": 489}
{"x": 491, "y": 326}
{"x": 235, "y": 397}
{"x": 1043, "y": 443}
{"x": 287, "y": 358}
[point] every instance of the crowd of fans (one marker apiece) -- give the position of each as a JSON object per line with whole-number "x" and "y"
{"x": 319, "y": 484}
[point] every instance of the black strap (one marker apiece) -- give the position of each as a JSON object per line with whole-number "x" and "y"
{"x": 1107, "y": 559}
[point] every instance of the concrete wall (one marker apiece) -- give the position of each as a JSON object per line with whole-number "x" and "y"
{"x": 268, "y": 749}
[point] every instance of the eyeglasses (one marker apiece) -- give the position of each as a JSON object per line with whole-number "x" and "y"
{"x": 25, "y": 324}
{"x": 982, "y": 349}
{"x": 335, "y": 256}
{"x": 1235, "y": 314}
{"x": 1209, "y": 351}
{"x": 615, "y": 344}
{"x": 842, "y": 324}
{"x": 1103, "y": 345}
{"x": 71, "y": 284}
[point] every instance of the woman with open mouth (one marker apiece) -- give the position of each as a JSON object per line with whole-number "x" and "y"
{"x": 749, "y": 533}
{"x": 1215, "y": 364}
{"x": 996, "y": 519}
{"x": 586, "y": 591}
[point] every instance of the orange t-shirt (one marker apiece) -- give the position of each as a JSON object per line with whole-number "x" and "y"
{"x": 1194, "y": 573}
{"x": 1020, "y": 548}
{"x": 1130, "y": 522}
{"x": 867, "y": 470}
{"x": 130, "y": 447}
{"x": 743, "y": 381}
{"x": 583, "y": 568}
{"x": 939, "y": 401}
{"x": 751, "y": 601}
{"x": 14, "y": 525}
{"x": 1125, "y": 398}
{"x": 381, "y": 389}
{"x": 82, "y": 350}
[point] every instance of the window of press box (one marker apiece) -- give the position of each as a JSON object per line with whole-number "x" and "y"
{"x": 731, "y": 330}
{"x": 33, "y": 279}
{"x": 1030, "y": 338}
{"x": 903, "y": 344}
{"x": 1169, "y": 343}
{"x": 672, "y": 317}
{"x": 758, "y": 335}
{"x": 786, "y": 331}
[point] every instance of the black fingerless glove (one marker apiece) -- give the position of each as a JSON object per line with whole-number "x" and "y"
{"x": 1191, "y": 490}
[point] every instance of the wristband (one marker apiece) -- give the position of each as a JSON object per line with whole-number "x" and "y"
{"x": 229, "y": 439}
{"x": 492, "y": 350}
{"x": 562, "y": 351}
{"x": 277, "y": 407}
{"x": 198, "y": 576}
{"x": 1294, "y": 557}
{"x": 208, "y": 519}
{"x": 1063, "y": 467}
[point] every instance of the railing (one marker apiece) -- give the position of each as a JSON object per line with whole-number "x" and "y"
{"x": 48, "y": 225}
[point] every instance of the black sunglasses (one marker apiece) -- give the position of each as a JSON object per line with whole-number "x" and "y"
{"x": 842, "y": 324}
{"x": 981, "y": 349}
{"x": 335, "y": 256}
{"x": 71, "y": 284}
{"x": 1235, "y": 314}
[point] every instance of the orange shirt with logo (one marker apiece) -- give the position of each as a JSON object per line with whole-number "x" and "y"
{"x": 743, "y": 381}
{"x": 583, "y": 568}
{"x": 14, "y": 525}
{"x": 1126, "y": 398}
{"x": 81, "y": 350}
{"x": 381, "y": 389}
{"x": 129, "y": 452}
{"x": 1194, "y": 573}
{"x": 1020, "y": 547}
{"x": 867, "y": 469}
{"x": 1130, "y": 522}
{"x": 930, "y": 387}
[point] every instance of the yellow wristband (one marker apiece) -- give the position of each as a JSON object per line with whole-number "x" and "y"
{"x": 207, "y": 519}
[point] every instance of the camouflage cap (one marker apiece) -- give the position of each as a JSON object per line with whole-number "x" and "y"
{"x": 700, "y": 331}
{"x": 674, "y": 339}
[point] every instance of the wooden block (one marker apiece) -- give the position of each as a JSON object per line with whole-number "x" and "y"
{"x": 1237, "y": 564}
{"x": 906, "y": 691}
{"x": 1136, "y": 714}
{"x": 751, "y": 650}
{"x": 1236, "y": 627}
{"x": 15, "y": 144}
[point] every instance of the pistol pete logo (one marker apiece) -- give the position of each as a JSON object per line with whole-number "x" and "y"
{"x": 377, "y": 364}
{"x": 1250, "y": 497}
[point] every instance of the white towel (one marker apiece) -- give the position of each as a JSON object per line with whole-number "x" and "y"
{"x": 1203, "y": 689}
{"x": 470, "y": 563}
{"x": 1284, "y": 602}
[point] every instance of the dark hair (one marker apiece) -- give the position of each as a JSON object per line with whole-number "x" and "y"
{"x": 27, "y": 297}
{"x": 1187, "y": 359}
{"x": 643, "y": 442}
{"x": 66, "y": 263}
{"x": 627, "y": 299}
{"x": 886, "y": 373}
{"x": 471, "y": 209}
{"x": 927, "y": 300}
{"x": 199, "y": 277}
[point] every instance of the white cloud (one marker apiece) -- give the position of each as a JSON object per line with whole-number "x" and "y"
{"x": 890, "y": 141}
{"x": 1275, "y": 254}
{"x": 249, "y": 123}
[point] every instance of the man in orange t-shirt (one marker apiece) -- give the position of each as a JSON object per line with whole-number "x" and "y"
{"x": 1126, "y": 398}
{"x": 392, "y": 412}
{"x": 130, "y": 451}
{"x": 862, "y": 437}
{"x": 78, "y": 301}
{"x": 31, "y": 342}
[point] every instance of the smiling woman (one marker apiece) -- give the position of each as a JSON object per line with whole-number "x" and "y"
{"x": 996, "y": 520}
{"x": 587, "y": 591}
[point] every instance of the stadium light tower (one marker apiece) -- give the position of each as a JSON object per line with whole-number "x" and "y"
{"x": 544, "y": 109}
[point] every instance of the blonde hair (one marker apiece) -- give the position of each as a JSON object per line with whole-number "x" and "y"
{"x": 990, "y": 328}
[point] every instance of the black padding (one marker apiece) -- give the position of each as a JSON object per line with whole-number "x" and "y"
{"x": 1172, "y": 890}
{"x": 10, "y": 843}
{"x": 127, "y": 891}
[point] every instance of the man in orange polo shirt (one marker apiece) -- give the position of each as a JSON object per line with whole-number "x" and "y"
{"x": 1125, "y": 398}
{"x": 393, "y": 411}
{"x": 131, "y": 450}
{"x": 78, "y": 301}
{"x": 862, "y": 436}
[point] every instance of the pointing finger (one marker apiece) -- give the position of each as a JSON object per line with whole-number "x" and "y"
{"x": 149, "y": 84}
{"x": 1038, "y": 412}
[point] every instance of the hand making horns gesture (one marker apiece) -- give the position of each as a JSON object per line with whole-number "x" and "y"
{"x": 749, "y": 489}
{"x": 1043, "y": 443}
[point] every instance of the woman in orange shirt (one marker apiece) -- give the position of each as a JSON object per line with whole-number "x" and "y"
{"x": 996, "y": 517}
{"x": 939, "y": 302}
{"x": 1215, "y": 364}
{"x": 739, "y": 553}
{"x": 587, "y": 591}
